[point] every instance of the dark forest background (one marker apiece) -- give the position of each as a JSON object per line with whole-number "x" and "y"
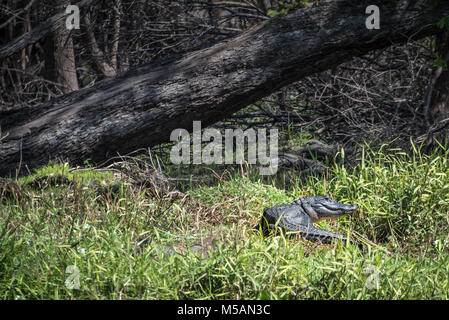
{"x": 398, "y": 92}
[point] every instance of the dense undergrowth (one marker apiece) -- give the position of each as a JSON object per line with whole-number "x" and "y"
{"x": 82, "y": 231}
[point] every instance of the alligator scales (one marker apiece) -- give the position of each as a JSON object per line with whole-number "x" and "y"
{"x": 299, "y": 216}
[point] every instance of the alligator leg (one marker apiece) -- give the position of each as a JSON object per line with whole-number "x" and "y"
{"x": 314, "y": 234}
{"x": 317, "y": 235}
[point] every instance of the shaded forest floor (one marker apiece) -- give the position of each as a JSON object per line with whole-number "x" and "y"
{"x": 104, "y": 230}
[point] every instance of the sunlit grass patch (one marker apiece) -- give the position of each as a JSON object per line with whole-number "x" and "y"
{"x": 403, "y": 219}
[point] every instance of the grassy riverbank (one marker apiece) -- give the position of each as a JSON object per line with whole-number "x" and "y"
{"x": 85, "y": 228}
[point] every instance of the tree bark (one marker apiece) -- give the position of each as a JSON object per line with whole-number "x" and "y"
{"x": 60, "y": 64}
{"x": 142, "y": 107}
{"x": 98, "y": 55}
{"x": 439, "y": 107}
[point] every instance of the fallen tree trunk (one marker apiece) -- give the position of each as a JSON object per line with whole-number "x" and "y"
{"x": 142, "y": 107}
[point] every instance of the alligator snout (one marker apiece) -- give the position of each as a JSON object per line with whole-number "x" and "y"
{"x": 332, "y": 205}
{"x": 333, "y": 211}
{"x": 324, "y": 207}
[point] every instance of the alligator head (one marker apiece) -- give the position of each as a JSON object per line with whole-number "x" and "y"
{"x": 323, "y": 207}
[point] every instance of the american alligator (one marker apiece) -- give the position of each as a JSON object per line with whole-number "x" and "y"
{"x": 299, "y": 216}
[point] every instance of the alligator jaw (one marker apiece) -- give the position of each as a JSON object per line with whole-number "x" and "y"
{"x": 319, "y": 208}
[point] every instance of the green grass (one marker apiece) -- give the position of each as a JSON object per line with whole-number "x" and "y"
{"x": 54, "y": 169}
{"x": 403, "y": 220}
